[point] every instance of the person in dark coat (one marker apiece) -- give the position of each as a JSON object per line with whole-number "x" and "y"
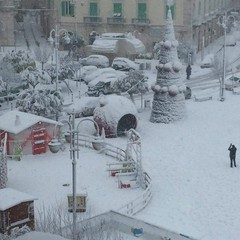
{"x": 188, "y": 71}
{"x": 232, "y": 155}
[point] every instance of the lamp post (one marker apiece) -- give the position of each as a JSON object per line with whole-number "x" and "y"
{"x": 224, "y": 21}
{"x": 54, "y": 39}
{"x": 74, "y": 155}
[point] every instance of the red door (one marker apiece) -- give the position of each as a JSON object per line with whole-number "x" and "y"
{"x": 39, "y": 143}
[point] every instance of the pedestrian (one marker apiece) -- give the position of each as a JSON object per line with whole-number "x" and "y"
{"x": 232, "y": 155}
{"x": 188, "y": 71}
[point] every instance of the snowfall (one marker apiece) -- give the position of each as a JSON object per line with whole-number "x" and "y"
{"x": 195, "y": 192}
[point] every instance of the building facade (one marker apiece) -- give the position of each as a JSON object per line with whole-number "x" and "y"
{"x": 195, "y": 21}
{"x": 7, "y": 22}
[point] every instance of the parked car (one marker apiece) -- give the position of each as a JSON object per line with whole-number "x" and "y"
{"x": 101, "y": 86}
{"x": 124, "y": 64}
{"x": 84, "y": 107}
{"x": 232, "y": 81}
{"x": 100, "y": 61}
{"x": 86, "y": 71}
{"x": 98, "y": 73}
{"x": 230, "y": 41}
{"x": 207, "y": 61}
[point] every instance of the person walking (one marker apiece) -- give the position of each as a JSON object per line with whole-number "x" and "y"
{"x": 232, "y": 149}
{"x": 188, "y": 71}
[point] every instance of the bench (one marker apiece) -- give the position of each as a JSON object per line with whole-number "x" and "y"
{"x": 123, "y": 167}
{"x": 202, "y": 99}
{"x": 236, "y": 91}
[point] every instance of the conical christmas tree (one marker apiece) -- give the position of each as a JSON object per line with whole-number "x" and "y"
{"x": 168, "y": 101}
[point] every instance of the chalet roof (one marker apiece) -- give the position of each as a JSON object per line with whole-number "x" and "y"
{"x": 16, "y": 121}
{"x": 10, "y": 197}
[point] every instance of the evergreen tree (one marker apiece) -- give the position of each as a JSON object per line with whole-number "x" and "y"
{"x": 134, "y": 83}
{"x": 168, "y": 101}
{"x": 40, "y": 102}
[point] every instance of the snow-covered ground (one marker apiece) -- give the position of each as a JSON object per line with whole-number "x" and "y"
{"x": 195, "y": 191}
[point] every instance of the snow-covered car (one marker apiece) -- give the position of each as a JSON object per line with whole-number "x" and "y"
{"x": 84, "y": 71}
{"x": 230, "y": 41}
{"x": 83, "y": 107}
{"x": 207, "y": 61}
{"x": 124, "y": 64}
{"x": 98, "y": 73}
{"x": 103, "y": 84}
{"x": 232, "y": 81}
{"x": 100, "y": 61}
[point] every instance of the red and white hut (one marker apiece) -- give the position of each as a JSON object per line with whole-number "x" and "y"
{"x": 28, "y": 132}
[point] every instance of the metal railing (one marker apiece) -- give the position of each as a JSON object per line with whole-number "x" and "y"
{"x": 141, "y": 21}
{"x": 116, "y": 20}
{"x": 142, "y": 200}
{"x": 92, "y": 19}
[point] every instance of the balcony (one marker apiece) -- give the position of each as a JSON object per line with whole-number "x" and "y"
{"x": 141, "y": 21}
{"x": 116, "y": 20}
{"x": 92, "y": 19}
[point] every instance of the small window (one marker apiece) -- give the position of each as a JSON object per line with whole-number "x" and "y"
{"x": 142, "y": 10}
{"x": 172, "y": 8}
{"x": 93, "y": 9}
{"x": 117, "y": 9}
{"x": 67, "y": 8}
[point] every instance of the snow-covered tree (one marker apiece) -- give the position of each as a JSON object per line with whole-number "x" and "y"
{"x": 40, "y": 102}
{"x": 33, "y": 76}
{"x": 134, "y": 83}
{"x": 42, "y": 54}
{"x": 168, "y": 101}
{"x": 20, "y": 60}
{"x": 65, "y": 71}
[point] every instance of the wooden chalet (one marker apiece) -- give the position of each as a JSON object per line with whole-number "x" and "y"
{"x": 16, "y": 210}
{"x": 28, "y": 132}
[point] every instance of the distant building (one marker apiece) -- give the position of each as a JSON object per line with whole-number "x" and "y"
{"x": 16, "y": 210}
{"x": 195, "y": 21}
{"x": 7, "y": 22}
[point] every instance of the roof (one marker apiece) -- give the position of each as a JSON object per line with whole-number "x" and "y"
{"x": 109, "y": 43}
{"x": 16, "y": 121}
{"x": 10, "y": 197}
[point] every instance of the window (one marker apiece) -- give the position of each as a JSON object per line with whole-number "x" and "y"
{"x": 93, "y": 11}
{"x": 50, "y": 4}
{"x": 67, "y": 8}
{"x": 142, "y": 10}
{"x": 199, "y": 8}
{"x": 117, "y": 9}
{"x": 172, "y": 8}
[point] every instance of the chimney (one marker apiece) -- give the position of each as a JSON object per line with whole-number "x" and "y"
{"x": 17, "y": 120}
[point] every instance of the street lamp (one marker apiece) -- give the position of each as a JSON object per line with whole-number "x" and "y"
{"x": 73, "y": 139}
{"x": 54, "y": 39}
{"x": 224, "y": 21}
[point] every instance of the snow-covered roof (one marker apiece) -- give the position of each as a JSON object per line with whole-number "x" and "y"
{"x": 10, "y": 197}
{"x": 16, "y": 121}
{"x": 40, "y": 236}
{"x": 108, "y": 43}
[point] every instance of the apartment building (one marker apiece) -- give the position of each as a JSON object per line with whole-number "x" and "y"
{"x": 195, "y": 21}
{"x": 7, "y": 26}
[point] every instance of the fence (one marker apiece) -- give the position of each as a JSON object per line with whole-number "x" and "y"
{"x": 141, "y": 201}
